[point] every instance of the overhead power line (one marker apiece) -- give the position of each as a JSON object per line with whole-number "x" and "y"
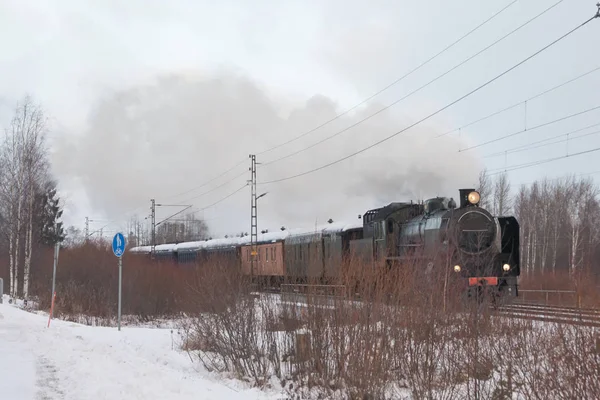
{"x": 520, "y": 103}
{"x": 209, "y": 181}
{"x": 539, "y": 162}
{"x": 215, "y": 188}
{"x": 530, "y": 129}
{"x": 393, "y": 83}
{"x": 542, "y": 143}
{"x": 559, "y": 178}
{"x": 221, "y": 199}
{"x": 416, "y": 90}
{"x": 439, "y": 110}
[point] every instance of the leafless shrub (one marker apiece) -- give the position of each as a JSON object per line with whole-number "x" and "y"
{"x": 87, "y": 286}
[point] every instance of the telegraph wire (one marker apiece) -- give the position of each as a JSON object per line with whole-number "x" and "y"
{"x": 441, "y": 109}
{"x": 112, "y": 221}
{"x": 215, "y": 188}
{"x": 416, "y": 90}
{"x": 180, "y": 194}
{"x": 221, "y": 199}
{"x": 519, "y": 103}
{"x": 391, "y": 84}
{"x": 528, "y": 146}
{"x": 557, "y": 178}
{"x": 530, "y": 129}
{"x": 539, "y": 162}
{"x": 209, "y": 181}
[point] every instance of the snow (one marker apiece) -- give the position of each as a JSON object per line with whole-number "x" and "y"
{"x": 268, "y": 237}
{"x": 72, "y": 361}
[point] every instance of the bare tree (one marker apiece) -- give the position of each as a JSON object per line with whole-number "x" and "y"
{"x": 74, "y": 237}
{"x": 35, "y": 164}
{"x": 24, "y": 165}
{"x": 13, "y": 189}
{"x": 502, "y": 201}
{"x": 188, "y": 228}
{"x": 485, "y": 189}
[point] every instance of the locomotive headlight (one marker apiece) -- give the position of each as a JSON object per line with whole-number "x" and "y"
{"x": 457, "y": 268}
{"x": 474, "y": 197}
{"x": 506, "y": 267}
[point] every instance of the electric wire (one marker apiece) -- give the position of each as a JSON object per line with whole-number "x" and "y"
{"x": 391, "y": 84}
{"x": 539, "y": 162}
{"x": 559, "y": 178}
{"x": 541, "y": 143}
{"x": 439, "y": 110}
{"x": 215, "y": 188}
{"x": 221, "y": 199}
{"x": 529, "y": 129}
{"x": 520, "y": 103}
{"x": 414, "y": 91}
{"x": 209, "y": 181}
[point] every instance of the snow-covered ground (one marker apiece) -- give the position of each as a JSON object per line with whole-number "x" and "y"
{"x": 72, "y": 361}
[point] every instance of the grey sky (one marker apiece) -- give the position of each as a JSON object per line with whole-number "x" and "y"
{"x": 223, "y": 77}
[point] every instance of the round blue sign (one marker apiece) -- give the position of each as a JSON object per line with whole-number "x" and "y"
{"x": 118, "y": 244}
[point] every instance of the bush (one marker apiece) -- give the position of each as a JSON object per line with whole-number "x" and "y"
{"x": 412, "y": 335}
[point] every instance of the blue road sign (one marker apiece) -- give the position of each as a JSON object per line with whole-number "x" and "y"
{"x": 118, "y": 244}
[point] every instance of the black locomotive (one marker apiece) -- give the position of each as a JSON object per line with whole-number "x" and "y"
{"x": 481, "y": 248}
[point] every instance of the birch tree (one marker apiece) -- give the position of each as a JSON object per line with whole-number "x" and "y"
{"x": 13, "y": 189}
{"x": 502, "y": 200}
{"x": 35, "y": 164}
{"x": 24, "y": 165}
{"x": 485, "y": 190}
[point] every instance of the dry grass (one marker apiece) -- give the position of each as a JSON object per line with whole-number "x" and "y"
{"x": 585, "y": 283}
{"x": 87, "y": 286}
{"x": 411, "y": 336}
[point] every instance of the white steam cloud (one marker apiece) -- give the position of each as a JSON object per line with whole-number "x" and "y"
{"x": 175, "y": 133}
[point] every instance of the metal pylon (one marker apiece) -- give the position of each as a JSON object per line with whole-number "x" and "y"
{"x": 253, "y": 214}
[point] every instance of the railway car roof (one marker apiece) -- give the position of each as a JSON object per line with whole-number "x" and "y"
{"x": 268, "y": 237}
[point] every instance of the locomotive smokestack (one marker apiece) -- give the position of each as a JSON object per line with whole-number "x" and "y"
{"x": 464, "y": 196}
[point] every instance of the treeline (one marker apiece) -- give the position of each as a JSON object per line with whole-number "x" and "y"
{"x": 559, "y": 218}
{"x": 30, "y": 210}
{"x": 185, "y": 228}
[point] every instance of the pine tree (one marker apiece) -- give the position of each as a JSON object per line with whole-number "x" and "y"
{"x": 50, "y": 229}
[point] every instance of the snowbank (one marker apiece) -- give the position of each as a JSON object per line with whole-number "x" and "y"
{"x": 72, "y": 361}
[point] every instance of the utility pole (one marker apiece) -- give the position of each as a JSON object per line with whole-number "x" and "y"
{"x": 153, "y": 213}
{"x": 253, "y": 214}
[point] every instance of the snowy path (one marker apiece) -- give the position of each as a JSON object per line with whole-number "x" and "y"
{"x": 17, "y": 362}
{"x": 71, "y": 361}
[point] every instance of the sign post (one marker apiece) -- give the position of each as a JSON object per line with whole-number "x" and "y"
{"x": 53, "y": 294}
{"x": 118, "y": 247}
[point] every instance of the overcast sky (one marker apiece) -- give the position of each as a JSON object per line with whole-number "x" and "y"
{"x": 150, "y": 99}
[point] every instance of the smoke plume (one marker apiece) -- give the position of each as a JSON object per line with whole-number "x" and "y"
{"x": 164, "y": 138}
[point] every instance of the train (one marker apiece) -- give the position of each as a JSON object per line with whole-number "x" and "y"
{"x": 477, "y": 247}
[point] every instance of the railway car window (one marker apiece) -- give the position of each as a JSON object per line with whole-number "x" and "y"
{"x": 390, "y": 225}
{"x": 267, "y": 255}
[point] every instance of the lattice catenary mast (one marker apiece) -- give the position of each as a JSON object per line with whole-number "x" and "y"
{"x": 253, "y": 214}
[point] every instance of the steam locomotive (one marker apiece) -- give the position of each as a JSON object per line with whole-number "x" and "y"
{"x": 479, "y": 248}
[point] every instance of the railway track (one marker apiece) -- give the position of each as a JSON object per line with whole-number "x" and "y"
{"x": 550, "y": 313}
{"x": 532, "y": 311}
